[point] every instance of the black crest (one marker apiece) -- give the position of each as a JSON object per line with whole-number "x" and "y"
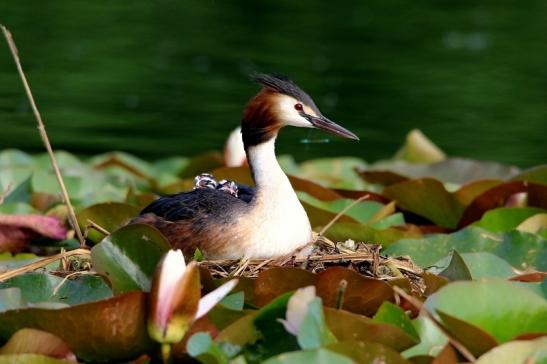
{"x": 283, "y": 85}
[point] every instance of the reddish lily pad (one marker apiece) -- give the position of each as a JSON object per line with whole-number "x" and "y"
{"x": 17, "y": 230}
{"x": 32, "y": 341}
{"x": 112, "y": 329}
{"x": 362, "y": 295}
{"x": 350, "y": 326}
{"x": 273, "y": 282}
{"x": 498, "y": 197}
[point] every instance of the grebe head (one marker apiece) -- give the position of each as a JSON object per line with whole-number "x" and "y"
{"x": 282, "y": 103}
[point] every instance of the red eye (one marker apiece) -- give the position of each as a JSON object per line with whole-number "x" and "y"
{"x": 298, "y": 107}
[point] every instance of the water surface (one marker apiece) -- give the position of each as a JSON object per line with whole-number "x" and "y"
{"x": 158, "y": 78}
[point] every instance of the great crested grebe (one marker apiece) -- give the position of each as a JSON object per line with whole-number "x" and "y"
{"x": 267, "y": 222}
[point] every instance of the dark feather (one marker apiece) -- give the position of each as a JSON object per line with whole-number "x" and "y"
{"x": 283, "y": 85}
{"x": 201, "y": 202}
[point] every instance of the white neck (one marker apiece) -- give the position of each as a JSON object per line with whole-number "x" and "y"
{"x": 277, "y": 216}
{"x": 267, "y": 172}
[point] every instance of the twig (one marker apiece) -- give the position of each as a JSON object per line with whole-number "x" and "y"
{"x": 97, "y": 227}
{"x": 42, "y": 263}
{"x": 420, "y": 306}
{"x": 344, "y": 210}
{"x": 43, "y": 135}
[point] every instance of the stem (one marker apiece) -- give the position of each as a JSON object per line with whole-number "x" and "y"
{"x": 166, "y": 353}
{"x": 420, "y": 306}
{"x": 43, "y": 135}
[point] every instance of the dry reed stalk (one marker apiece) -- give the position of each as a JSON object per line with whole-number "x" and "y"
{"x": 44, "y": 136}
{"x": 420, "y": 306}
{"x": 339, "y": 215}
{"x": 42, "y": 263}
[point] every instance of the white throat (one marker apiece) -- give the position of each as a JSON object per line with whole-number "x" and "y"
{"x": 278, "y": 219}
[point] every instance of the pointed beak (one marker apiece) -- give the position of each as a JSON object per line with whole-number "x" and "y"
{"x": 330, "y": 126}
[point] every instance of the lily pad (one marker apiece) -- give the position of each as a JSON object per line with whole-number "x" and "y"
{"x": 32, "y": 341}
{"x": 506, "y": 219}
{"x": 501, "y": 308}
{"x": 45, "y": 287}
{"x": 529, "y": 351}
{"x": 392, "y": 314}
{"x": 116, "y": 327}
{"x": 367, "y": 352}
{"x": 362, "y": 295}
{"x": 521, "y": 250}
{"x": 128, "y": 257}
{"x": 108, "y": 215}
{"x": 318, "y": 356}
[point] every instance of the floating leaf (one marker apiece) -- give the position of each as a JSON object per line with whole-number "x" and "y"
{"x": 418, "y": 148}
{"x": 453, "y": 170}
{"x": 457, "y": 269}
{"x": 362, "y": 295}
{"x": 432, "y": 339}
{"x": 503, "y": 309}
{"x": 498, "y": 197}
{"x": 342, "y": 231}
{"x": 349, "y": 326}
{"x": 506, "y": 219}
{"x": 123, "y": 338}
{"x": 367, "y": 352}
{"x": 361, "y": 212}
{"x": 128, "y": 257}
{"x": 534, "y": 224}
{"x": 273, "y": 282}
{"x": 477, "y": 341}
{"x": 428, "y": 198}
{"x": 318, "y": 356}
{"x": 108, "y": 215}
{"x": 392, "y": 314}
{"x": 522, "y": 250}
{"x": 29, "y": 359}
{"x": 45, "y": 287}
{"x": 530, "y": 351}
{"x": 32, "y": 341}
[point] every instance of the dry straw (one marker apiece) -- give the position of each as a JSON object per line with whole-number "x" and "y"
{"x": 43, "y": 135}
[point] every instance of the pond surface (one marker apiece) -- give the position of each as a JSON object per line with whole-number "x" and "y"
{"x": 159, "y": 78}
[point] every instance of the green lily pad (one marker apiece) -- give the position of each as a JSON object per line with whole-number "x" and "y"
{"x": 362, "y": 212}
{"x": 108, "y": 215}
{"x": 530, "y": 351}
{"x": 428, "y": 198}
{"x": 367, "y": 352}
{"x": 128, "y": 257}
{"x": 456, "y": 270}
{"x": 390, "y": 313}
{"x": 318, "y": 356}
{"x": 45, "y": 287}
{"x": 521, "y": 250}
{"x": 432, "y": 339}
{"x": 506, "y": 219}
{"x": 501, "y": 308}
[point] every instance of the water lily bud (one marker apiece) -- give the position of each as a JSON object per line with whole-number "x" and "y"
{"x": 174, "y": 298}
{"x": 297, "y": 308}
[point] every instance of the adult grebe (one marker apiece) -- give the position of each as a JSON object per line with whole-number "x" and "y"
{"x": 269, "y": 223}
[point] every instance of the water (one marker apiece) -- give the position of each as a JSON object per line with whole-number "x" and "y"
{"x": 159, "y": 78}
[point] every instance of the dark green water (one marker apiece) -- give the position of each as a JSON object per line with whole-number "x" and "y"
{"x": 158, "y": 78}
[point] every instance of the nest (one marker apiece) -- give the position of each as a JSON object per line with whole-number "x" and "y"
{"x": 321, "y": 254}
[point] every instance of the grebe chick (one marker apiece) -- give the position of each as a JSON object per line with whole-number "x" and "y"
{"x": 266, "y": 222}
